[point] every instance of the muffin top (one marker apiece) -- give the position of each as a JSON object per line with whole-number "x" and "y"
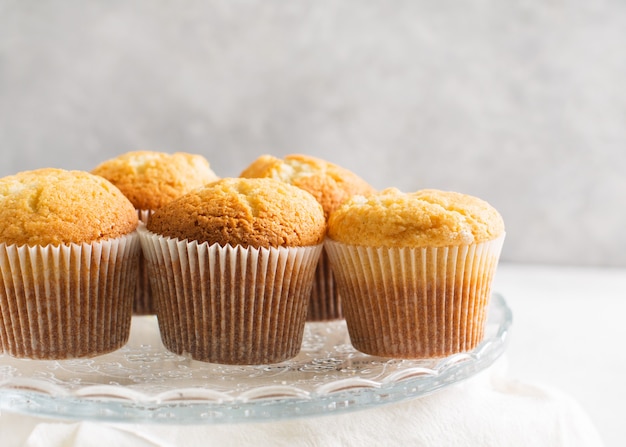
{"x": 426, "y": 218}
{"x": 330, "y": 184}
{"x": 255, "y": 212}
{"x": 54, "y": 206}
{"x": 152, "y": 179}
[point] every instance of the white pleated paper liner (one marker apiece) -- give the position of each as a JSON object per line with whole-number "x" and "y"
{"x": 67, "y": 301}
{"x": 144, "y": 303}
{"x": 230, "y": 305}
{"x": 325, "y": 303}
{"x": 415, "y": 302}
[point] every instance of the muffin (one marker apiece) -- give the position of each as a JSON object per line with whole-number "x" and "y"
{"x": 415, "y": 270}
{"x": 68, "y": 257}
{"x": 150, "y": 180}
{"x": 331, "y": 185}
{"x": 231, "y": 266}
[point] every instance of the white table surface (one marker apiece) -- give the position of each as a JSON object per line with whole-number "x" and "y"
{"x": 568, "y": 335}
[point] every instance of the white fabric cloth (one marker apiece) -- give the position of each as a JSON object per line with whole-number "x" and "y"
{"x": 486, "y": 410}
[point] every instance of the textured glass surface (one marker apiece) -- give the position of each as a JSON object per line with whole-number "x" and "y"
{"x": 143, "y": 382}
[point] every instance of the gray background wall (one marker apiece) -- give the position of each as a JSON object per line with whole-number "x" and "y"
{"x": 522, "y": 103}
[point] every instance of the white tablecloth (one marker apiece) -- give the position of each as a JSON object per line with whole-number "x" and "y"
{"x": 559, "y": 384}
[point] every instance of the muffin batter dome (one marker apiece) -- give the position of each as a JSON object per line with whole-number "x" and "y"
{"x": 248, "y": 212}
{"x": 152, "y": 179}
{"x": 426, "y": 218}
{"x": 55, "y": 206}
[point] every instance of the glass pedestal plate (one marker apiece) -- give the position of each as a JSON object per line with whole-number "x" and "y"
{"x": 145, "y": 383}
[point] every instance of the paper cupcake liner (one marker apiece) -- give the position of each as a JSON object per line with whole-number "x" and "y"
{"x": 415, "y": 302}
{"x": 230, "y": 305}
{"x": 325, "y": 303}
{"x": 144, "y": 303}
{"x": 67, "y": 301}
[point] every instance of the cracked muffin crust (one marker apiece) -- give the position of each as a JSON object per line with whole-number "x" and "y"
{"x": 329, "y": 183}
{"x": 55, "y": 206}
{"x": 249, "y": 212}
{"x": 426, "y": 218}
{"x": 151, "y": 179}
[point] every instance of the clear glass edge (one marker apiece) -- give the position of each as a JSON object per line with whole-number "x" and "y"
{"x": 356, "y": 395}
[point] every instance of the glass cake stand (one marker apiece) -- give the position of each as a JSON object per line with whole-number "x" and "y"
{"x": 145, "y": 383}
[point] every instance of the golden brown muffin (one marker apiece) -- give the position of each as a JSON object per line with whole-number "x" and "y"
{"x": 54, "y": 206}
{"x": 426, "y": 218}
{"x": 246, "y": 212}
{"x": 415, "y": 270}
{"x": 329, "y": 183}
{"x": 152, "y": 179}
{"x": 250, "y": 248}
{"x": 68, "y": 252}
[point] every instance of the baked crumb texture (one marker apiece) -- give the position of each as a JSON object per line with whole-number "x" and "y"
{"x": 329, "y": 183}
{"x": 53, "y": 206}
{"x": 259, "y": 212}
{"x": 426, "y": 218}
{"x": 151, "y": 179}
